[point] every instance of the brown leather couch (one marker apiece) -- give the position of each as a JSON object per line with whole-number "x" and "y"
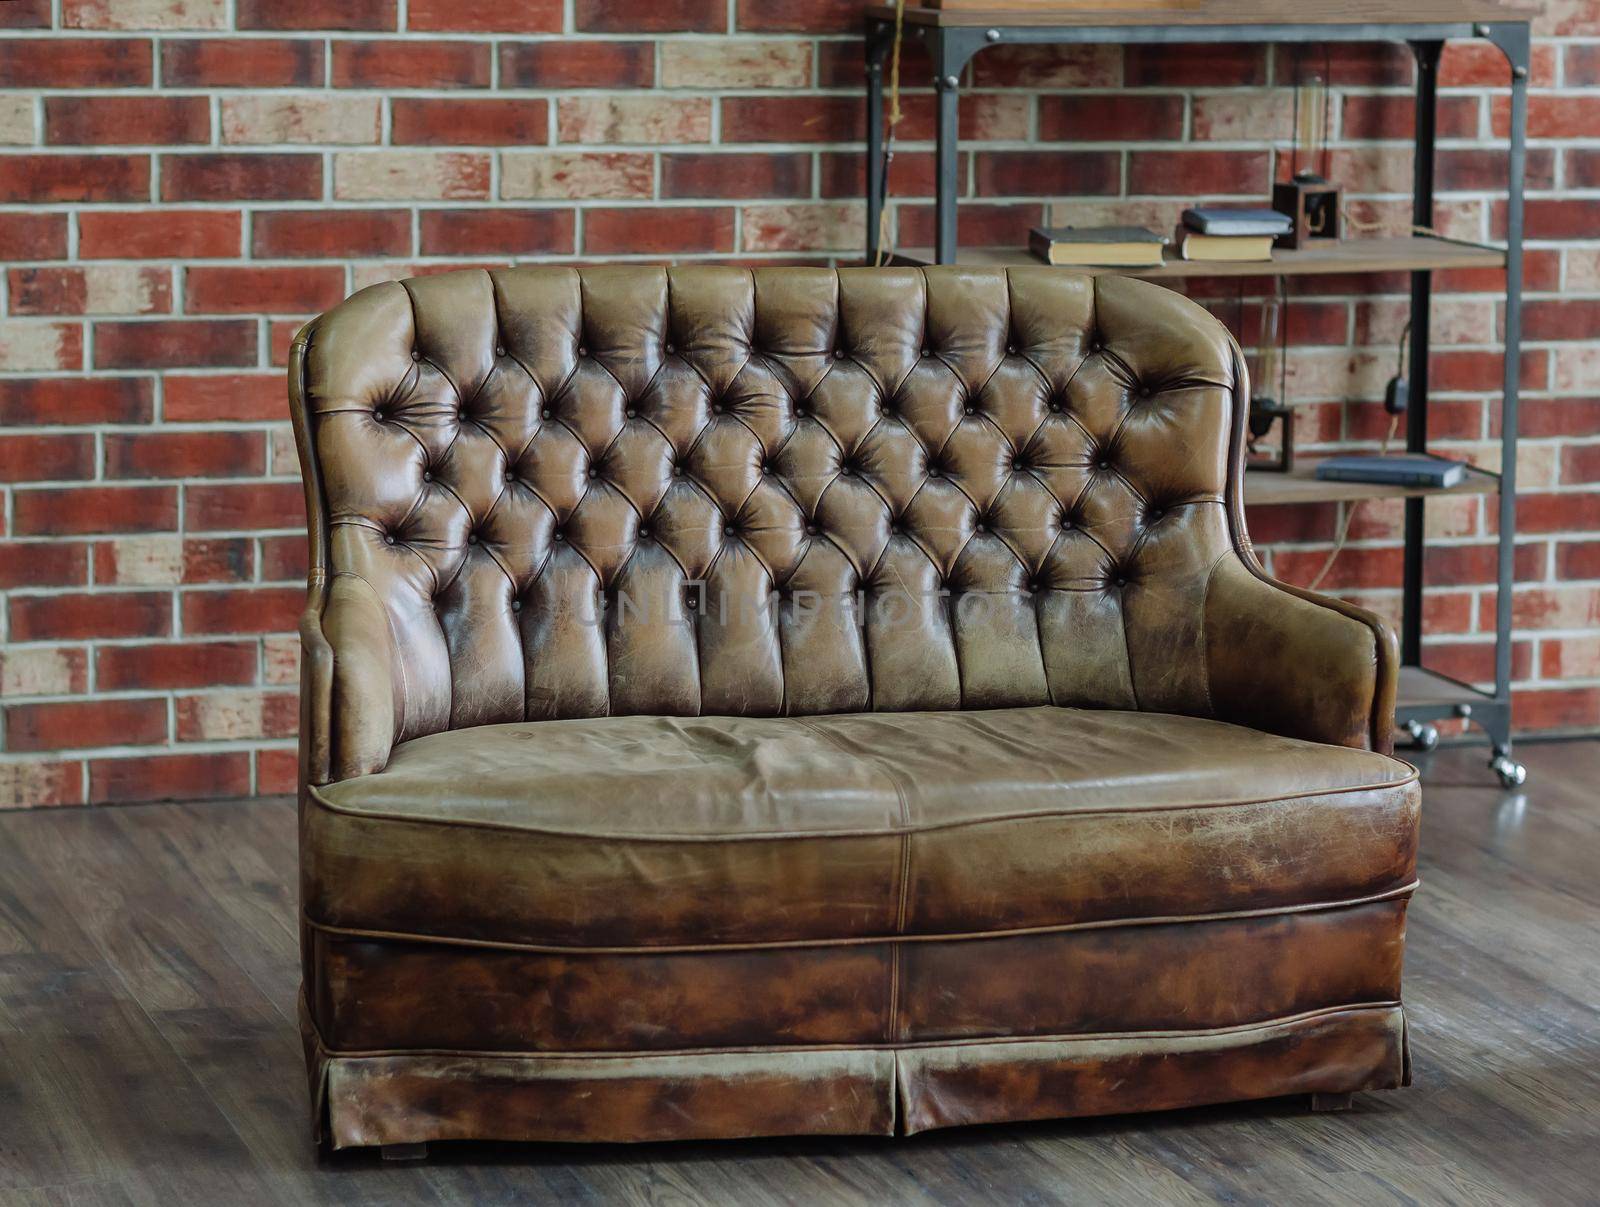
{"x": 819, "y": 702}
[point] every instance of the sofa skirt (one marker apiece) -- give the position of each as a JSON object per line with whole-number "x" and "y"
{"x": 404, "y": 1098}
{"x": 410, "y": 1040}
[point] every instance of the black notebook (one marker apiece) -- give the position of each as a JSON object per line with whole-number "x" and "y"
{"x": 1393, "y": 469}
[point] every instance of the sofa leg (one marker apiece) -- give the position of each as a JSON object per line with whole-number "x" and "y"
{"x": 1332, "y": 1102}
{"x": 405, "y": 1152}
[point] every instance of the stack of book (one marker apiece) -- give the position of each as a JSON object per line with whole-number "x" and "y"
{"x": 1227, "y": 233}
{"x": 1097, "y": 246}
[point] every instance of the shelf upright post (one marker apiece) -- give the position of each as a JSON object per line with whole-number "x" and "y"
{"x": 1427, "y": 56}
{"x": 879, "y": 36}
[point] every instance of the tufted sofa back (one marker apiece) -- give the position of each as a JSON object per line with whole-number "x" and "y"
{"x": 571, "y": 492}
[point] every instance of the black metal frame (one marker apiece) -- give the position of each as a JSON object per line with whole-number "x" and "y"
{"x": 951, "y": 47}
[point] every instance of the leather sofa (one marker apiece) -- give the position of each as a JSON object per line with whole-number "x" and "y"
{"x": 797, "y": 701}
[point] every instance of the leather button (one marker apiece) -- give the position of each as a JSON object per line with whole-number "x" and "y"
{"x": 1067, "y": 524}
{"x": 934, "y": 471}
{"x": 630, "y": 413}
{"x": 378, "y": 415}
{"x": 472, "y": 538}
{"x": 547, "y": 413}
{"x": 838, "y": 354}
{"x": 980, "y": 526}
{"x": 594, "y": 471}
{"x": 716, "y": 408}
{"x": 766, "y": 468}
{"x": 1017, "y": 466}
{"x": 388, "y": 538}
{"x": 1011, "y": 349}
{"x": 511, "y": 476}
{"x": 970, "y": 410}
{"x": 1102, "y": 464}
{"x": 559, "y": 535}
{"x": 516, "y": 605}
{"x": 415, "y": 355}
{"x": 1033, "y": 586}
{"x": 729, "y": 530}
{"x": 1120, "y": 581}
{"x": 1155, "y": 514}
{"x": 1055, "y": 407}
{"x": 895, "y": 530}
{"x": 670, "y": 349}
{"x": 846, "y": 470}
{"x": 812, "y": 530}
{"x": 644, "y": 532}
{"x": 582, "y": 351}
{"x": 427, "y": 476}
{"x": 677, "y": 471}
{"x": 927, "y": 352}
{"x": 499, "y": 350}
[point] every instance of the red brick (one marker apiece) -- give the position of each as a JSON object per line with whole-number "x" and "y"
{"x": 659, "y": 16}
{"x": 232, "y": 716}
{"x": 166, "y": 558}
{"x": 43, "y": 564}
{"x": 242, "y": 506}
{"x": 1563, "y": 218}
{"x": 175, "y": 664}
{"x": 1582, "y": 67}
{"x": 315, "y": 14}
{"x": 1353, "y": 569}
{"x": 485, "y": 16}
{"x": 167, "y": 234}
{"x": 1345, "y": 64}
{"x": 1556, "y": 708}
{"x": 1473, "y": 661}
{"x": 175, "y": 343}
{"x": 411, "y": 65}
{"x": 570, "y": 63}
{"x": 185, "y": 454}
{"x": 1112, "y": 117}
{"x": 25, "y": 236}
{"x": 330, "y": 234}
{"x": 1580, "y": 463}
{"x": 283, "y": 559}
{"x": 1464, "y": 369}
{"x": 1054, "y": 173}
{"x": 794, "y": 16}
{"x": 497, "y": 232}
{"x": 421, "y": 121}
{"x": 277, "y": 772}
{"x": 243, "y": 610}
{"x": 1191, "y": 173}
{"x": 103, "y": 289}
{"x": 793, "y": 119}
{"x": 33, "y": 783}
{"x": 1561, "y": 318}
{"x": 1477, "y": 565}
{"x": 280, "y": 335}
{"x": 76, "y": 62}
{"x": 79, "y": 724}
{"x": 1296, "y": 522}
{"x": 48, "y": 178}
{"x": 25, "y": 14}
{"x": 1478, "y": 170}
{"x": 1538, "y": 417}
{"x": 78, "y": 510}
{"x": 1186, "y": 66}
{"x": 1541, "y": 273}
{"x": 261, "y": 290}
{"x": 1480, "y": 64}
{"x": 844, "y": 173}
{"x": 647, "y": 231}
{"x": 169, "y": 777}
{"x": 1578, "y": 559}
{"x": 1567, "y": 511}
{"x": 1549, "y": 116}
{"x": 241, "y": 62}
{"x": 130, "y": 120}
{"x": 236, "y": 397}
{"x": 46, "y": 458}
{"x": 91, "y": 615}
{"x": 742, "y": 174}
{"x": 978, "y": 224}
{"x": 1391, "y": 117}
{"x": 241, "y": 176}
{"x": 75, "y": 400}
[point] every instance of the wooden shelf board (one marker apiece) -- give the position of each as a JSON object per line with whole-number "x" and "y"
{"x": 1223, "y": 12}
{"x": 1399, "y": 254}
{"x": 1301, "y": 485}
{"x": 1419, "y": 688}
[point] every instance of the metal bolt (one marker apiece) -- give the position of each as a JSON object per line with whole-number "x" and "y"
{"x": 950, "y": 81}
{"x": 1480, "y": 30}
{"x": 1463, "y": 711}
{"x": 1519, "y": 72}
{"x": 992, "y": 34}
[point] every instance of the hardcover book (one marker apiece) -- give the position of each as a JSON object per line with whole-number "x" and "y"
{"x": 1101, "y": 246}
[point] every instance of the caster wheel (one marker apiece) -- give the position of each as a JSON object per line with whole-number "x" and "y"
{"x": 1423, "y": 736}
{"x": 1512, "y": 774}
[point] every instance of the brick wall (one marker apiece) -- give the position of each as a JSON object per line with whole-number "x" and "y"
{"x": 182, "y": 182}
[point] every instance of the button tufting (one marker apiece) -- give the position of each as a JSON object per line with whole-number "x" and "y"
{"x": 969, "y": 410}
{"x": 927, "y": 352}
{"x": 1121, "y": 581}
{"x": 388, "y": 538}
{"x": 895, "y": 530}
{"x": 594, "y": 471}
{"x": 766, "y": 468}
{"x": 499, "y": 349}
{"x": 1017, "y": 465}
{"x": 644, "y": 532}
{"x": 1102, "y": 464}
{"x": 1055, "y": 406}
{"x": 559, "y": 535}
{"x": 838, "y": 354}
{"x": 1011, "y": 349}
{"x": 729, "y": 530}
{"x": 812, "y": 530}
{"x": 416, "y": 355}
{"x": 1033, "y": 586}
{"x": 516, "y": 605}
{"x": 427, "y": 475}
{"x": 472, "y": 538}
{"x": 582, "y": 351}
{"x": 934, "y": 471}
{"x": 511, "y": 475}
{"x": 377, "y": 413}
{"x": 677, "y": 471}
{"x": 670, "y": 349}
{"x": 980, "y": 526}
{"x": 716, "y": 408}
{"x": 630, "y": 413}
{"x": 547, "y": 413}
{"x": 1155, "y": 514}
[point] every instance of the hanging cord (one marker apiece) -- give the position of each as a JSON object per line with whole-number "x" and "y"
{"x": 884, "y": 251}
{"x": 1355, "y": 504}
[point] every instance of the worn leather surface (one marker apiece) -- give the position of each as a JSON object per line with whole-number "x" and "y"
{"x": 838, "y": 700}
{"x": 745, "y": 830}
{"x": 1221, "y": 972}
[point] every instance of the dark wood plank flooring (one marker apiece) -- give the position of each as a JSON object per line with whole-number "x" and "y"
{"x": 149, "y": 1054}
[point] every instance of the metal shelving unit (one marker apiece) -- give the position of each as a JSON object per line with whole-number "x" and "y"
{"x": 954, "y": 37}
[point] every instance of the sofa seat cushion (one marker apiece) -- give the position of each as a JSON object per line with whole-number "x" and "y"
{"x": 648, "y": 831}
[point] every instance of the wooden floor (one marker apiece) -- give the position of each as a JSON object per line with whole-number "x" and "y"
{"x": 148, "y": 1050}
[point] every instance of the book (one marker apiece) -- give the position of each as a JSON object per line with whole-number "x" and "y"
{"x": 1105, "y": 246}
{"x": 1394, "y": 469}
{"x": 1220, "y": 248}
{"x": 1236, "y": 220}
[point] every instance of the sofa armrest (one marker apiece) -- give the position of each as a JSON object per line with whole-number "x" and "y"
{"x": 362, "y": 691}
{"x": 1288, "y": 661}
